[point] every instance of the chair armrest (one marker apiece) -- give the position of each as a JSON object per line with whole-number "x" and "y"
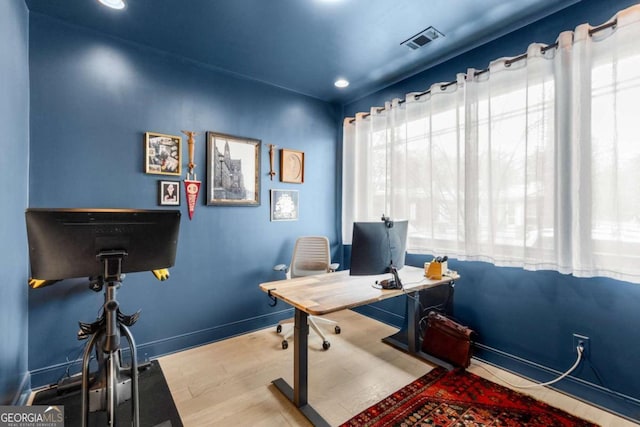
{"x": 334, "y": 266}
{"x": 280, "y": 267}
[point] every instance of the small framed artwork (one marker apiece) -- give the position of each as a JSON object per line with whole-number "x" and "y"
{"x": 291, "y": 166}
{"x": 162, "y": 153}
{"x": 233, "y": 170}
{"x": 284, "y": 205}
{"x": 169, "y": 193}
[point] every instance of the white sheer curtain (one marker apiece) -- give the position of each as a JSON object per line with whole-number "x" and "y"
{"x": 533, "y": 163}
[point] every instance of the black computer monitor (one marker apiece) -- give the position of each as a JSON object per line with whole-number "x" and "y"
{"x": 377, "y": 246}
{"x": 67, "y": 243}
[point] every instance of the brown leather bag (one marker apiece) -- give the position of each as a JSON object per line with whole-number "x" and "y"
{"x": 447, "y": 340}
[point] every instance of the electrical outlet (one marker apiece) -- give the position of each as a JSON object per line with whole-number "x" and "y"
{"x": 586, "y": 344}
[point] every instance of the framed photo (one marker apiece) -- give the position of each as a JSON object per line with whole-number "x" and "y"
{"x": 233, "y": 170}
{"x": 162, "y": 153}
{"x": 169, "y": 193}
{"x": 291, "y": 166}
{"x": 284, "y": 205}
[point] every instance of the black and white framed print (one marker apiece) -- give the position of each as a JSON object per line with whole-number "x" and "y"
{"x": 233, "y": 170}
{"x": 169, "y": 193}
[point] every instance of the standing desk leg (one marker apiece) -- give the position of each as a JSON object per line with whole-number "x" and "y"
{"x": 413, "y": 311}
{"x": 407, "y": 338}
{"x": 298, "y": 394}
{"x": 300, "y": 358}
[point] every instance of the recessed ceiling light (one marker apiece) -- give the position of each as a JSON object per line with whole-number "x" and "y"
{"x": 113, "y": 4}
{"x": 341, "y": 83}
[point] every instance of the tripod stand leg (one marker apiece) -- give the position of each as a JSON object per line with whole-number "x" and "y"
{"x": 135, "y": 409}
{"x": 112, "y": 387}
{"x": 111, "y": 365}
{"x": 85, "y": 377}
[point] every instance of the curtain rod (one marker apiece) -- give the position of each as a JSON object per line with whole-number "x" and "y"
{"x": 507, "y": 63}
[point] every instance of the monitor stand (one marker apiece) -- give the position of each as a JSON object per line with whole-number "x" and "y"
{"x": 112, "y": 384}
{"x": 393, "y": 270}
{"x": 394, "y": 283}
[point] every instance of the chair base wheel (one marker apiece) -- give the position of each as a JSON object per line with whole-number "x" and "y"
{"x": 337, "y": 329}
{"x": 278, "y": 329}
{"x": 326, "y": 345}
{"x": 285, "y": 345}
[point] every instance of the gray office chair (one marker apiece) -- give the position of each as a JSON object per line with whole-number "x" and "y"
{"x": 311, "y": 255}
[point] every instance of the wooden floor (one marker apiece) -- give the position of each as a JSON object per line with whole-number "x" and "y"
{"x": 228, "y": 383}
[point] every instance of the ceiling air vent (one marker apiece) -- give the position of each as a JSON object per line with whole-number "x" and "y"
{"x": 422, "y": 38}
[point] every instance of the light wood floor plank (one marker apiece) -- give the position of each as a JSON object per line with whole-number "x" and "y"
{"x": 228, "y": 383}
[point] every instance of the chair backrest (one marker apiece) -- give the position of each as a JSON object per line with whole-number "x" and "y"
{"x": 311, "y": 255}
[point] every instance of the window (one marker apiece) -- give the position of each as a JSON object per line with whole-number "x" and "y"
{"x": 534, "y": 163}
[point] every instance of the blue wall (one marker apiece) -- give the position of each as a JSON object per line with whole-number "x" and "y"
{"x": 14, "y": 166}
{"x": 525, "y": 320}
{"x": 92, "y": 99}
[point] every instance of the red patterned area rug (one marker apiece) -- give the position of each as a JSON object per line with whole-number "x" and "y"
{"x": 459, "y": 399}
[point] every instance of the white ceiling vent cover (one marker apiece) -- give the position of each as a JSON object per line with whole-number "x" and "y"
{"x": 422, "y": 38}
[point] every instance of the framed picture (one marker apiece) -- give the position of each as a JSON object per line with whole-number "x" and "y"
{"x": 284, "y": 205}
{"x": 233, "y": 170}
{"x": 291, "y": 166}
{"x": 169, "y": 193}
{"x": 162, "y": 153}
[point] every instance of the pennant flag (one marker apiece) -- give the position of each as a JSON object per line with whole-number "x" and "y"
{"x": 192, "y": 188}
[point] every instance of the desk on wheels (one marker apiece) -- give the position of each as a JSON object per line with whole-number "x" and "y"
{"x": 326, "y": 293}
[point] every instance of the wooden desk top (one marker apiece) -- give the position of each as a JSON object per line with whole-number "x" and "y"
{"x": 326, "y": 293}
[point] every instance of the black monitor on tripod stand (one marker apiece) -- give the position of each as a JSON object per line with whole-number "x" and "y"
{"x": 65, "y": 243}
{"x": 103, "y": 244}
